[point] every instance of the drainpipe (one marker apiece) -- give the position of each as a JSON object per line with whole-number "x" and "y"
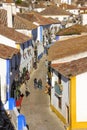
{"x": 68, "y": 125}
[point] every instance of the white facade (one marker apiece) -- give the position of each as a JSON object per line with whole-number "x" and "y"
{"x": 6, "y": 41}
{"x": 39, "y": 9}
{"x": 7, "y": 76}
{"x": 26, "y": 32}
{"x": 11, "y": 9}
{"x": 84, "y": 19}
{"x": 57, "y": 17}
{"x": 66, "y": 1}
{"x": 73, "y": 11}
{"x": 81, "y": 96}
{"x": 65, "y": 94}
{"x": 25, "y": 60}
{"x": 3, "y": 80}
{"x": 70, "y": 58}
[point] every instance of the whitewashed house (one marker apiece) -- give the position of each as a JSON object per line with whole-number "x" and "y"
{"x": 66, "y": 1}
{"x": 56, "y": 12}
{"x": 12, "y": 38}
{"x": 42, "y": 23}
{"x": 9, "y": 60}
{"x": 39, "y": 6}
{"x": 68, "y": 82}
{"x": 75, "y": 30}
{"x": 73, "y": 9}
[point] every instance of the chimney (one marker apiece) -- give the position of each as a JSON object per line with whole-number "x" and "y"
{"x": 11, "y": 9}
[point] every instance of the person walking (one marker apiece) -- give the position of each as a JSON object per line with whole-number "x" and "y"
{"x": 26, "y": 89}
{"x": 35, "y": 83}
{"x": 40, "y": 83}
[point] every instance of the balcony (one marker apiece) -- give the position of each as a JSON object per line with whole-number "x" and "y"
{"x": 58, "y": 90}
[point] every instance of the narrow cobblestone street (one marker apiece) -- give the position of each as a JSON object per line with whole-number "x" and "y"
{"x": 36, "y": 107}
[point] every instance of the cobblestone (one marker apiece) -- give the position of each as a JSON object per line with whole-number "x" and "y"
{"x": 36, "y": 107}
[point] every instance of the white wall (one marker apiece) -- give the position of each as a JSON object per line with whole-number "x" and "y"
{"x": 26, "y": 32}
{"x": 39, "y": 9}
{"x": 59, "y": 17}
{"x": 38, "y": 33}
{"x": 28, "y": 59}
{"x": 6, "y": 41}
{"x": 65, "y": 95}
{"x": 81, "y": 97}
{"x": 66, "y": 1}
{"x": 73, "y": 11}
{"x": 11, "y": 9}
{"x": 3, "y": 79}
{"x": 84, "y": 19}
{"x": 70, "y": 58}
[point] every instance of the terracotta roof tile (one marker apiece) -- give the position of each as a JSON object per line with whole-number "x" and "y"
{"x": 54, "y": 10}
{"x": 9, "y": 1}
{"x": 39, "y": 5}
{"x": 75, "y": 29}
{"x": 21, "y": 23}
{"x": 7, "y": 52}
{"x": 67, "y": 48}
{"x": 72, "y": 68}
{"x": 3, "y": 17}
{"x": 68, "y": 6}
{"x": 36, "y": 17}
{"x": 14, "y": 35}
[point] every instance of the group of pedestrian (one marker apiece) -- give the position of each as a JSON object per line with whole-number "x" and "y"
{"x": 38, "y": 83}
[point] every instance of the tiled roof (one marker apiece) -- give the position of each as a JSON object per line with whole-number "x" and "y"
{"x": 66, "y": 48}
{"x": 14, "y": 35}
{"x": 7, "y": 52}
{"x": 54, "y": 10}
{"x": 72, "y": 68}
{"x": 21, "y": 23}
{"x": 36, "y": 17}
{"x": 39, "y": 5}
{"x": 68, "y": 6}
{"x": 75, "y": 29}
{"x": 9, "y": 1}
{"x": 3, "y": 17}
{"x": 83, "y": 8}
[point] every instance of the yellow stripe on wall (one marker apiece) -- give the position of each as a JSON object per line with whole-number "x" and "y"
{"x": 58, "y": 114}
{"x": 72, "y": 102}
{"x": 17, "y": 46}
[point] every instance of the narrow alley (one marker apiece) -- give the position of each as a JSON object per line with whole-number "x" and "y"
{"x": 36, "y": 107}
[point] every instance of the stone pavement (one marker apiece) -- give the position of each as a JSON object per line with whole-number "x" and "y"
{"x": 36, "y": 107}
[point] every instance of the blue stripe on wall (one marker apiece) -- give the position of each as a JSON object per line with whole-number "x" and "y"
{"x": 8, "y": 77}
{"x": 41, "y": 34}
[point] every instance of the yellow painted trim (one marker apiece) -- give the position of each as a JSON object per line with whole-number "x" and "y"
{"x": 72, "y": 102}
{"x": 18, "y": 46}
{"x": 58, "y": 114}
{"x": 73, "y": 123}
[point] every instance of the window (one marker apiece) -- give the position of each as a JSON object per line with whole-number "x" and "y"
{"x": 16, "y": 66}
{"x": 58, "y": 87}
{"x": 59, "y": 78}
{"x": 60, "y": 102}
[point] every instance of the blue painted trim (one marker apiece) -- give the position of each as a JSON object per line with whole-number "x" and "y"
{"x": 8, "y": 78}
{"x": 12, "y": 103}
{"x": 21, "y": 122}
{"x": 41, "y": 34}
{"x": 57, "y": 37}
